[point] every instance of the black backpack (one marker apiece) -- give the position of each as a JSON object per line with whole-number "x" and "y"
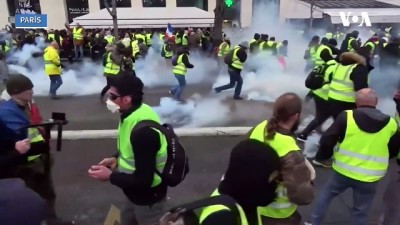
{"x": 177, "y": 166}
{"x": 316, "y": 79}
{"x": 228, "y": 58}
{"x": 190, "y": 208}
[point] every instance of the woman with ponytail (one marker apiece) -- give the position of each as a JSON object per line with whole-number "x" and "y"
{"x": 295, "y": 186}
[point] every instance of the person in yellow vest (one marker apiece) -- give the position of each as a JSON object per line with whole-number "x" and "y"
{"x": 361, "y": 142}
{"x": 250, "y": 180}
{"x": 139, "y": 155}
{"x": 263, "y": 41}
{"x": 185, "y": 40}
{"x": 181, "y": 64}
{"x": 52, "y": 68}
{"x": 325, "y": 47}
{"x": 254, "y": 43}
{"x": 352, "y": 43}
{"x": 31, "y": 165}
{"x": 135, "y": 48}
{"x": 239, "y": 57}
{"x": 310, "y": 52}
{"x": 112, "y": 60}
{"x": 109, "y": 37}
{"x": 223, "y": 49}
{"x": 320, "y": 96}
{"x": 167, "y": 51}
{"x": 51, "y": 36}
{"x": 149, "y": 39}
{"x": 78, "y": 33}
{"x": 296, "y": 174}
{"x": 350, "y": 76}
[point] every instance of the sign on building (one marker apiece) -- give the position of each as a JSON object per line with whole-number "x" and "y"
{"x": 30, "y": 21}
{"x": 27, "y": 7}
{"x": 77, "y": 8}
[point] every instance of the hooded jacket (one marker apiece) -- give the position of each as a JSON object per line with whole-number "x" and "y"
{"x": 368, "y": 119}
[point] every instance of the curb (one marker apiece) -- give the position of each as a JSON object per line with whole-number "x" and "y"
{"x": 181, "y": 132}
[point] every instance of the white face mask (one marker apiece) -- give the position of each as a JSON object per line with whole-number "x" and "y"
{"x": 112, "y": 106}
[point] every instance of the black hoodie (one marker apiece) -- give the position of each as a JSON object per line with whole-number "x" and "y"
{"x": 368, "y": 119}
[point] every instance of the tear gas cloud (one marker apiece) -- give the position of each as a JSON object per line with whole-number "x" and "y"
{"x": 263, "y": 77}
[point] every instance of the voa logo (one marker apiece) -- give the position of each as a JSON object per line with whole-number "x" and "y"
{"x": 363, "y": 19}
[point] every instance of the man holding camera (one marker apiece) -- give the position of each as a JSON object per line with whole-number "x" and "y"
{"x": 25, "y": 152}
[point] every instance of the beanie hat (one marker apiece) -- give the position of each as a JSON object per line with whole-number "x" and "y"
{"x": 18, "y": 84}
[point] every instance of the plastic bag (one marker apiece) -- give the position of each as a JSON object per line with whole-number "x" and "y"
{"x": 311, "y": 145}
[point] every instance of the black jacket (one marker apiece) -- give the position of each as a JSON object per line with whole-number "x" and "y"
{"x": 137, "y": 186}
{"x": 368, "y": 119}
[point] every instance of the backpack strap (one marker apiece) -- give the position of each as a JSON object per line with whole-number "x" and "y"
{"x": 224, "y": 200}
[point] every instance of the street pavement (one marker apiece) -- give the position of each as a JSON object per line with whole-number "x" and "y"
{"x": 88, "y": 201}
{"x": 89, "y": 113}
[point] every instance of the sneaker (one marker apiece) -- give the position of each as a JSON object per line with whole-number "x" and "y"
{"x": 238, "y": 98}
{"x": 301, "y": 137}
{"x": 325, "y": 163}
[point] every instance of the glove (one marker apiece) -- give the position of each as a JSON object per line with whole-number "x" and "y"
{"x": 311, "y": 168}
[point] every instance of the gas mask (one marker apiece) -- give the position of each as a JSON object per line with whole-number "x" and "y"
{"x": 112, "y": 106}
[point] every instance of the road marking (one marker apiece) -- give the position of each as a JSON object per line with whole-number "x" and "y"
{"x": 181, "y": 132}
{"x": 113, "y": 216}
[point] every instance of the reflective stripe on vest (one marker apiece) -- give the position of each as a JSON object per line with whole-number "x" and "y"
{"x": 282, "y": 144}
{"x": 235, "y": 60}
{"x": 341, "y": 87}
{"x": 34, "y": 136}
{"x": 323, "y": 92}
{"x": 363, "y": 156}
{"x": 223, "y": 49}
{"x": 76, "y": 33}
{"x": 111, "y": 67}
{"x": 317, "y": 60}
{"x": 126, "y": 158}
{"x": 207, "y": 211}
{"x": 180, "y": 68}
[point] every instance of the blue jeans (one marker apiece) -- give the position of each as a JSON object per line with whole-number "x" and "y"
{"x": 78, "y": 51}
{"x": 234, "y": 78}
{"x": 55, "y": 83}
{"x": 363, "y": 194}
{"x": 177, "y": 90}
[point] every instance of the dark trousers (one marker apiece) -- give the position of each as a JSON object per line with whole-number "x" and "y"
{"x": 294, "y": 219}
{"x": 321, "y": 115}
{"x": 235, "y": 78}
{"x": 55, "y": 84}
{"x": 336, "y": 107}
{"x": 39, "y": 179}
{"x": 105, "y": 89}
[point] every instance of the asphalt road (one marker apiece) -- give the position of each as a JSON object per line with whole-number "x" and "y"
{"x": 88, "y": 201}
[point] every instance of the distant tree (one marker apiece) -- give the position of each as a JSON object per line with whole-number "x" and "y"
{"x": 113, "y": 13}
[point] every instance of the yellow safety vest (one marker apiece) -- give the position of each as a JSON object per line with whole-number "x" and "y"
{"x": 50, "y": 67}
{"x": 317, "y": 56}
{"x": 341, "y": 87}
{"x": 109, "y": 39}
{"x": 51, "y": 36}
{"x": 111, "y": 67}
{"x": 323, "y": 92}
{"x": 6, "y": 47}
{"x": 167, "y": 54}
{"x": 223, "y": 49}
{"x": 349, "y": 48}
{"x": 76, "y": 33}
{"x": 140, "y": 36}
{"x": 372, "y": 46}
{"x": 34, "y": 136}
{"x": 180, "y": 68}
{"x": 235, "y": 60}
{"x": 329, "y": 35}
{"x": 126, "y": 157}
{"x": 135, "y": 47}
{"x": 363, "y": 156}
{"x": 148, "y": 40}
{"x": 161, "y": 36}
{"x": 216, "y": 208}
{"x": 178, "y": 40}
{"x": 184, "y": 40}
{"x": 282, "y": 144}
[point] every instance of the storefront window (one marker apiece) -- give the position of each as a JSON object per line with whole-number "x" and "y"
{"x": 23, "y": 7}
{"x": 120, "y": 3}
{"x": 201, "y": 4}
{"x": 154, "y": 3}
{"x": 76, "y": 8}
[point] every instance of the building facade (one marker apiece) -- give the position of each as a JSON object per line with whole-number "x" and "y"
{"x": 61, "y": 11}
